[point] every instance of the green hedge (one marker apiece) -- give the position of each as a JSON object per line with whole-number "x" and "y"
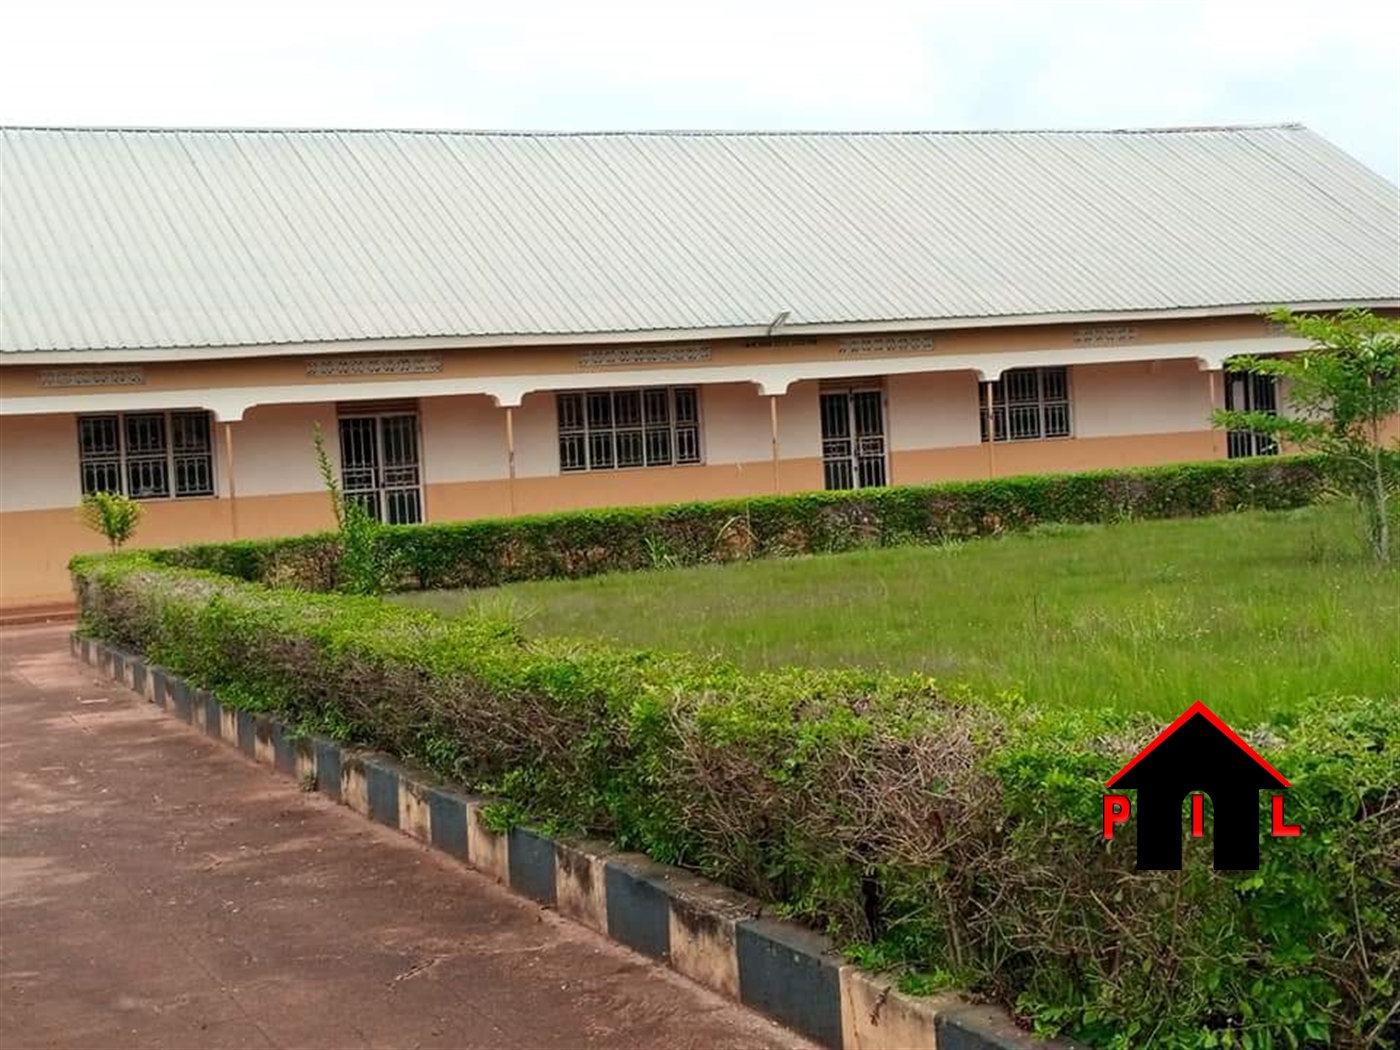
{"x": 955, "y": 838}
{"x": 490, "y": 552}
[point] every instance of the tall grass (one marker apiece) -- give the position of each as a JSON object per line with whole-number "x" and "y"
{"x": 1249, "y": 612}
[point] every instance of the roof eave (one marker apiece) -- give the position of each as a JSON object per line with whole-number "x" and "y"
{"x": 108, "y": 355}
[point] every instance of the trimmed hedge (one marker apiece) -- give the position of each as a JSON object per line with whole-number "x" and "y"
{"x": 956, "y": 838}
{"x": 490, "y": 552}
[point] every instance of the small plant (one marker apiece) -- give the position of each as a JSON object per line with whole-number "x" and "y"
{"x": 327, "y": 471}
{"x": 364, "y": 567}
{"x": 112, "y": 515}
{"x": 659, "y": 554}
{"x": 309, "y": 782}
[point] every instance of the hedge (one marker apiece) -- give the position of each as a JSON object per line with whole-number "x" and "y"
{"x": 955, "y": 838}
{"x": 490, "y": 552}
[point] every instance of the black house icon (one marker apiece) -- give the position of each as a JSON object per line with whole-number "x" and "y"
{"x": 1198, "y": 752}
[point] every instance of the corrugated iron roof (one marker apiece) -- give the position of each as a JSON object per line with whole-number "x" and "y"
{"x": 148, "y": 238}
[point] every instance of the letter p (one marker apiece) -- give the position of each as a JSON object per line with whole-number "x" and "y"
{"x": 1116, "y": 810}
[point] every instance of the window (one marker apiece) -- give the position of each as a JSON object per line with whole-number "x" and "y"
{"x": 656, "y": 426}
{"x": 1028, "y": 404}
{"x": 379, "y": 466}
{"x": 1250, "y": 393}
{"x": 147, "y": 455}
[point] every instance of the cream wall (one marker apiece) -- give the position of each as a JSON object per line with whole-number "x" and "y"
{"x": 38, "y": 462}
{"x": 1156, "y": 397}
{"x": 737, "y": 424}
{"x": 273, "y": 452}
{"x": 932, "y": 410}
{"x": 799, "y": 422}
{"x": 464, "y": 438}
{"x": 536, "y": 437}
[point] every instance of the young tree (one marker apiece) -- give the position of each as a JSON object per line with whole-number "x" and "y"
{"x": 364, "y": 566}
{"x": 1343, "y": 390}
{"x": 111, "y": 515}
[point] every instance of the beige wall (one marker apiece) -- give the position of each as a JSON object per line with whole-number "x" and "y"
{"x": 464, "y": 439}
{"x": 737, "y": 424}
{"x": 1153, "y": 397}
{"x": 273, "y": 452}
{"x": 38, "y": 462}
{"x": 800, "y": 423}
{"x": 537, "y": 437}
{"x": 933, "y": 410}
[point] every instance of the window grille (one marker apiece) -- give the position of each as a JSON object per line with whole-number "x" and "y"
{"x": 1245, "y": 392}
{"x": 1028, "y": 404}
{"x": 621, "y": 429}
{"x": 147, "y": 455}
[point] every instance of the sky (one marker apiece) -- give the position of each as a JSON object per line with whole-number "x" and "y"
{"x": 760, "y": 64}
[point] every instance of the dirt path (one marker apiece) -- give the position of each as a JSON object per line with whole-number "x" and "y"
{"x": 157, "y": 890}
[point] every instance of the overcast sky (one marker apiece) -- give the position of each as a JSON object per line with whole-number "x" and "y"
{"x": 593, "y": 64}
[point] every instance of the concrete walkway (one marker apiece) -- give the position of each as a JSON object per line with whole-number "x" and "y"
{"x": 157, "y": 890}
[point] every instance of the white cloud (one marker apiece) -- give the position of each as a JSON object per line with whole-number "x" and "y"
{"x": 573, "y": 65}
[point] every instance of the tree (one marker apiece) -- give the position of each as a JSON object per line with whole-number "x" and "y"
{"x": 111, "y": 515}
{"x": 1342, "y": 391}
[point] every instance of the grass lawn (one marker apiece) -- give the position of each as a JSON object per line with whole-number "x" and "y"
{"x": 1249, "y": 612}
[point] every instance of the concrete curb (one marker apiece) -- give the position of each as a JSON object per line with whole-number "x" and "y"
{"x": 711, "y": 934}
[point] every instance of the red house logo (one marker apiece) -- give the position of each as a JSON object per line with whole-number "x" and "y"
{"x": 1197, "y": 755}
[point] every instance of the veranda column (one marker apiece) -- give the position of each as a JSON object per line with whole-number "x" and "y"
{"x": 773, "y": 415}
{"x": 1216, "y": 377}
{"x": 228, "y": 472}
{"x": 510, "y": 458}
{"x": 991, "y": 430}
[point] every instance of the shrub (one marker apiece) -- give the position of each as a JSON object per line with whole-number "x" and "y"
{"x": 956, "y": 838}
{"x": 491, "y": 552}
{"x": 111, "y": 515}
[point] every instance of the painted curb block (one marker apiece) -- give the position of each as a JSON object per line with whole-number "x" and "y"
{"x": 706, "y": 932}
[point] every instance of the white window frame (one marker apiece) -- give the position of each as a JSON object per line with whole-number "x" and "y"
{"x": 170, "y": 455}
{"x": 585, "y": 429}
{"x": 1043, "y": 405}
{"x": 380, "y": 490}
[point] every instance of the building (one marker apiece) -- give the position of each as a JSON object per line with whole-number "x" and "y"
{"x": 496, "y": 324}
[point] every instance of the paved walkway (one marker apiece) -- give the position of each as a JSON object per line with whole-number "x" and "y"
{"x": 158, "y": 890}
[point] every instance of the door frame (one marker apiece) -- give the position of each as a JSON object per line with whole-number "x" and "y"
{"x": 849, "y": 388}
{"x": 380, "y": 413}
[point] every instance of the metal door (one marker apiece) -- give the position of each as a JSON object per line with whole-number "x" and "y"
{"x": 853, "y": 438}
{"x": 379, "y": 466}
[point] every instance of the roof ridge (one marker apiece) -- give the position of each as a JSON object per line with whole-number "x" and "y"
{"x": 649, "y": 132}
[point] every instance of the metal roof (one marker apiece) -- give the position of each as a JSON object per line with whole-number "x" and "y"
{"x": 150, "y": 238}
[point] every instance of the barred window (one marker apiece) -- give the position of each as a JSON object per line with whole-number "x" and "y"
{"x": 147, "y": 455}
{"x": 1247, "y": 392}
{"x": 1027, "y": 404}
{"x": 614, "y": 429}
